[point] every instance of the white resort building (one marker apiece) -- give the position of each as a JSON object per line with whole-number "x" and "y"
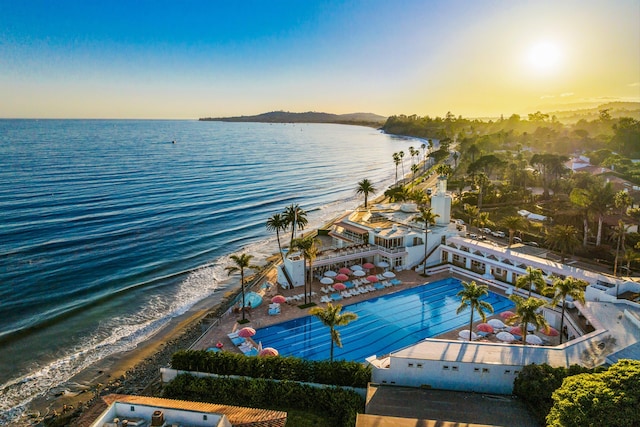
{"x": 601, "y": 331}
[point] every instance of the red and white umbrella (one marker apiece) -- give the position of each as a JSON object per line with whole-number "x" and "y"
{"x": 344, "y": 270}
{"x": 372, "y": 279}
{"x": 550, "y": 332}
{"x": 339, "y": 287}
{"x": 246, "y": 332}
{"x": 342, "y": 277}
{"x": 278, "y": 299}
{"x": 507, "y": 314}
{"x": 484, "y": 327}
{"x": 368, "y": 265}
{"x": 516, "y": 330}
{"x": 268, "y": 351}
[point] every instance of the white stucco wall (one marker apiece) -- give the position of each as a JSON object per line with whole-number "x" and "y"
{"x": 171, "y": 416}
{"x": 482, "y": 378}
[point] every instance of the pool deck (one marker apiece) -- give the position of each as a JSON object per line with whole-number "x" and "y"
{"x": 260, "y": 318}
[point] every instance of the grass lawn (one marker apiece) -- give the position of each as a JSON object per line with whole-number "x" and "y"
{"x": 298, "y": 418}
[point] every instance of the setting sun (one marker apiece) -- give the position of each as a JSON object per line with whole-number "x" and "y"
{"x": 545, "y": 56}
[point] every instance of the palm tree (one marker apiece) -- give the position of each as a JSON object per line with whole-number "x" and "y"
{"x": 533, "y": 277}
{"x": 481, "y": 180}
{"x": 309, "y": 246}
{"x": 396, "y": 161}
{"x": 414, "y": 170}
{"x": 630, "y": 255}
{"x": 483, "y": 221}
{"x": 401, "y": 155}
{"x": 514, "y": 223}
{"x": 455, "y": 157}
{"x": 471, "y": 211}
{"x": 471, "y": 298}
{"x": 602, "y": 199}
{"x": 427, "y": 217}
{"x": 424, "y": 156}
{"x": 527, "y": 312}
{"x": 295, "y": 216}
{"x": 444, "y": 170}
{"x": 563, "y": 238}
{"x": 241, "y": 262}
{"x": 622, "y": 200}
{"x": 365, "y": 187}
{"x": 330, "y": 316}
{"x": 562, "y": 289}
{"x": 277, "y": 223}
{"x": 619, "y": 234}
{"x": 580, "y": 198}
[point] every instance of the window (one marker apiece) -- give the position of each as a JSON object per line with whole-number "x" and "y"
{"x": 133, "y": 408}
{"x": 454, "y": 368}
{"x": 445, "y": 368}
{"x": 507, "y": 371}
{"x": 516, "y": 372}
{"x": 411, "y": 365}
{"x": 476, "y": 369}
{"x": 204, "y": 418}
{"x": 485, "y": 370}
{"x": 419, "y": 365}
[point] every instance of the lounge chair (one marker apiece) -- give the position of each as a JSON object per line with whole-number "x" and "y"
{"x": 325, "y": 299}
{"x": 336, "y": 297}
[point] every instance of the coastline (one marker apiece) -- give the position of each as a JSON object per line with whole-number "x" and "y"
{"x": 137, "y": 371}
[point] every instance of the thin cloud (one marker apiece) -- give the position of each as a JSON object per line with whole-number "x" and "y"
{"x": 564, "y": 95}
{"x": 634, "y": 84}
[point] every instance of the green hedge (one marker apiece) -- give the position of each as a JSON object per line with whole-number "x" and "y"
{"x": 339, "y": 373}
{"x": 337, "y": 404}
{"x": 535, "y": 385}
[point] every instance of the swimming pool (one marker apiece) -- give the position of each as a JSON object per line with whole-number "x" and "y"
{"x": 385, "y": 324}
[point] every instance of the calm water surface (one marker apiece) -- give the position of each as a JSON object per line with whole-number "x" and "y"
{"x": 108, "y": 229}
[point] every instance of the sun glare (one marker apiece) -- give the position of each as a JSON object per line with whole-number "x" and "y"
{"x": 545, "y": 57}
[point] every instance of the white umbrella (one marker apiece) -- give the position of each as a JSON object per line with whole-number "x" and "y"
{"x": 464, "y": 334}
{"x": 505, "y": 336}
{"x": 356, "y": 267}
{"x": 531, "y": 327}
{"x": 389, "y": 274}
{"x": 326, "y": 281}
{"x": 534, "y": 339}
{"x": 330, "y": 273}
{"x": 383, "y": 264}
{"x": 496, "y": 323}
{"x": 359, "y": 273}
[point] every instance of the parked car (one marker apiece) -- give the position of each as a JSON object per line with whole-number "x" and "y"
{"x": 486, "y": 230}
{"x": 498, "y": 234}
{"x": 534, "y": 244}
{"x": 517, "y": 240}
{"x": 473, "y": 236}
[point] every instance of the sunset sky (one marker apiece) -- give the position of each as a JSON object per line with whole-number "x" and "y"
{"x": 190, "y": 59}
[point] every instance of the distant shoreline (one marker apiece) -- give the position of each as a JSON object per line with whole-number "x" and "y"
{"x": 282, "y": 117}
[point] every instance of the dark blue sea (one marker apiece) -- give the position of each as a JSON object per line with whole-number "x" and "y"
{"x": 108, "y": 229}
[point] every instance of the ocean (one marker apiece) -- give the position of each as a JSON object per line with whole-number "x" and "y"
{"x": 110, "y": 228}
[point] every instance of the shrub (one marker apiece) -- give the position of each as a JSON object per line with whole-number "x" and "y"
{"x": 605, "y": 399}
{"x": 339, "y": 373}
{"x": 339, "y": 404}
{"x": 536, "y": 383}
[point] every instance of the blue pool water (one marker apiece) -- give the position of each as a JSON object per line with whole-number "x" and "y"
{"x": 385, "y": 324}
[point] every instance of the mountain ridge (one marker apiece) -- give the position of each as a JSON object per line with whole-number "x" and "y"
{"x": 367, "y": 119}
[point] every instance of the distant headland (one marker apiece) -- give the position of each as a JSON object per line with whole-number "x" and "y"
{"x": 363, "y": 119}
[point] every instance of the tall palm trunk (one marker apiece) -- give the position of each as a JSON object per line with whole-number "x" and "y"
{"x": 473, "y": 308}
{"x": 562, "y": 320}
{"x": 585, "y": 224}
{"x": 599, "y": 236}
{"x": 242, "y": 290}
